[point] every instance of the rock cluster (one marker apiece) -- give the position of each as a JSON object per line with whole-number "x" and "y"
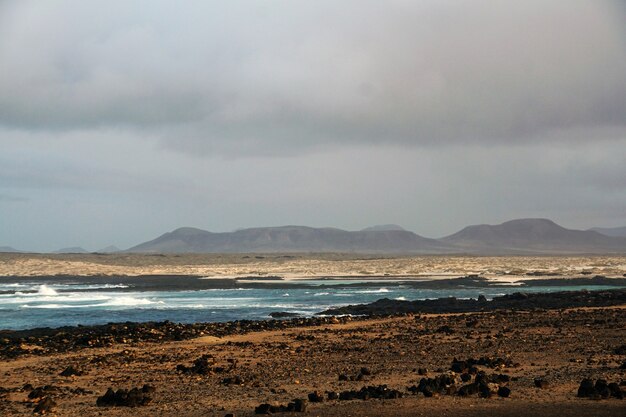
{"x": 600, "y": 389}
{"x": 517, "y": 301}
{"x": 365, "y": 393}
{"x": 134, "y": 397}
{"x": 469, "y": 365}
{"x": 45, "y": 405}
{"x": 298, "y": 405}
{"x": 206, "y": 365}
{"x": 450, "y": 384}
{"x": 45, "y": 341}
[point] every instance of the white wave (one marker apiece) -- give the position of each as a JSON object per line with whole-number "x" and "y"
{"x": 400, "y": 298}
{"x": 378, "y": 291}
{"x": 45, "y": 290}
{"x": 43, "y": 306}
{"x": 129, "y": 301}
{"x": 97, "y": 286}
{"x": 317, "y": 294}
{"x": 286, "y": 294}
{"x": 14, "y": 285}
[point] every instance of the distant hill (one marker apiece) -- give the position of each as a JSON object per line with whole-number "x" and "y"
{"x": 532, "y": 236}
{"x": 383, "y": 228}
{"x": 522, "y": 236}
{"x": 74, "y": 249}
{"x": 291, "y": 239}
{"x": 109, "y": 249}
{"x": 610, "y": 231}
{"x": 9, "y": 249}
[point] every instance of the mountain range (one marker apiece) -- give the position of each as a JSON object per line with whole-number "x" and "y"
{"x": 522, "y": 236}
{"x": 610, "y": 231}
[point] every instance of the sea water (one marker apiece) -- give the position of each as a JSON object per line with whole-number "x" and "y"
{"x": 26, "y": 305}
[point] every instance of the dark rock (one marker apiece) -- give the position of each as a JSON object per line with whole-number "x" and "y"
{"x": 445, "y": 329}
{"x": 283, "y": 314}
{"x": 616, "y": 391}
{"x": 365, "y": 393}
{"x": 263, "y": 409}
{"x": 41, "y": 392}
{"x": 316, "y": 397}
{"x": 468, "y": 390}
{"x": 45, "y": 405}
{"x": 71, "y": 371}
{"x": 471, "y": 322}
{"x": 300, "y": 405}
{"x": 586, "y": 388}
{"x": 126, "y": 398}
{"x": 541, "y": 383}
{"x": 422, "y": 371}
{"x": 484, "y": 391}
{"x": 233, "y": 380}
{"x": 332, "y": 395}
{"x": 504, "y": 392}
{"x": 365, "y": 371}
{"x": 602, "y": 388}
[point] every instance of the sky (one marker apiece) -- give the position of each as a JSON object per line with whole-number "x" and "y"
{"x": 122, "y": 120}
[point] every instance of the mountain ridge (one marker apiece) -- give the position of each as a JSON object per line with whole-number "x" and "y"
{"x": 610, "y": 231}
{"x": 291, "y": 239}
{"x": 532, "y": 236}
{"x": 519, "y": 236}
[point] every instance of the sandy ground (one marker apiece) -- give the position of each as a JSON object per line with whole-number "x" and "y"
{"x": 561, "y": 347}
{"x": 306, "y": 265}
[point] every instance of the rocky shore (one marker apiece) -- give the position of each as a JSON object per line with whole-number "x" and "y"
{"x": 45, "y": 341}
{"x": 543, "y": 354}
{"x": 517, "y": 301}
{"x": 567, "y": 362}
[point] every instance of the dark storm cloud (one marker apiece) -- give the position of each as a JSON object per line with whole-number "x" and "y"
{"x": 271, "y": 77}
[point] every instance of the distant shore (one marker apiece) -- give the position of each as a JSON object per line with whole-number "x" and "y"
{"x": 309, "y": 265}
{"x": 189, "y": 283}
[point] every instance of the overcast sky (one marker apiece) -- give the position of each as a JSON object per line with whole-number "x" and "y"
{"x": 121, "y": 120}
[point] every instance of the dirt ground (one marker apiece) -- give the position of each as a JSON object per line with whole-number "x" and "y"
{"x": 275, "y": 367}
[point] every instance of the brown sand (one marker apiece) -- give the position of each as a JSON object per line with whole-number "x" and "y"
{"x": 561, "y": 346}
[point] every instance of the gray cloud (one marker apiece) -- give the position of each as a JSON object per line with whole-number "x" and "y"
{"x": 121, "y": 120}
{"x": 4, "y": 198}
{"x": 274, "y": 77}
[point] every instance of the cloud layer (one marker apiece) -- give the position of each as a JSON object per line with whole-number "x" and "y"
{"x": 238, "y": 76}
{"x": 120, "y": 120}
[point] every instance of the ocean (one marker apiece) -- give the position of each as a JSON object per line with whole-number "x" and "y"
{"x": 28, "y": 304}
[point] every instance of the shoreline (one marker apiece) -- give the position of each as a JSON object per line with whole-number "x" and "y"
{"x": 47, "y": 340}
{"x": 126, "y": 283}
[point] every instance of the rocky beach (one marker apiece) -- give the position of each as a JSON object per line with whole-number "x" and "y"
{"x": 561, "y": 361}
{"x": 543, "y": 352}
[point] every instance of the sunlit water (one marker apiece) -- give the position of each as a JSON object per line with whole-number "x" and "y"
{"x": 34, "y": 304}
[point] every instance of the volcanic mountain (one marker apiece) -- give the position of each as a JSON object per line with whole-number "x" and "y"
{"x": 533, "y": 236}
{"x": 292, "y": 239}
{"x": 610, "y": 231}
